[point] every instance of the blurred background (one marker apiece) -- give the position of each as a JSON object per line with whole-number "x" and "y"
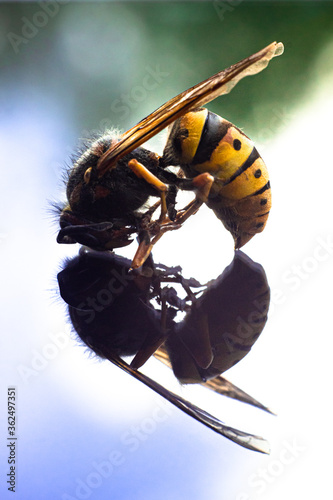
{"x": 85, "y": 429}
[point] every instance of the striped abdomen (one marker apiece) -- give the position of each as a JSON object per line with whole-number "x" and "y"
{"x": 202, "y": 141}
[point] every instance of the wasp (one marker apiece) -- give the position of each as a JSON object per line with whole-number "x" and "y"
{"x": 117, "y": 314}
{"x": 110, "y": 183}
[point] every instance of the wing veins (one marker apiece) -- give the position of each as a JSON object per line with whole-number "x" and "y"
{"x": 198, "y": 95}
{"x": 249, "y": 441}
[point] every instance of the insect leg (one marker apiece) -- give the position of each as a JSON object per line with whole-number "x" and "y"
{"x": 143, "y": 250}
{"x": 149, "y": 348}
{"x": 146, "y": 351}
{"x": 142, "y": 172}
{"x": 145, "y": 245}
{"x": 202, "y": 185}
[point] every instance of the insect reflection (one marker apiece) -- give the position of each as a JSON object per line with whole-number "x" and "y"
{"x": 118, "y": 312}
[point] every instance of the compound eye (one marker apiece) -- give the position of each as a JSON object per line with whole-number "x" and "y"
{"x": 237, "y": 144}
{"x": 87, "y": 175}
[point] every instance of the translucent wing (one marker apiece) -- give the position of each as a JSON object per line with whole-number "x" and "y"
{"x": 199, "y": 95}
{"x": 219, "y": 384}
{"x": 249, "y": 441}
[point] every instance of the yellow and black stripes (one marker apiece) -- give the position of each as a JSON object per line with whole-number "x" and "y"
{"x": 202, "y": 141}
{"x": 254, "y": 155}
{"x": 212, "y": 132}
{"x": 249, "y": 178}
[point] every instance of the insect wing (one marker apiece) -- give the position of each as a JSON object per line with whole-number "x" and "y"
{"x": 219, "y": 384}
{"x": 249, "y": 441}
{"x": 199, "y": 95}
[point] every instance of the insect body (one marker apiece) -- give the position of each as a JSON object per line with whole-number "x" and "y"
{"x": 223, "y": 324}
{"x": 110, "y": 183}
{"x": 202, "y": 141}
{"x": 101, "y": 212}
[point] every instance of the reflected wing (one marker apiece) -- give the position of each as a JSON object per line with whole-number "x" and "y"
{"x": 249, "y": 441}
{"x": 196, "y": 96}
{"x": 218, "y": 384}
{"x": 222, "y": 386}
